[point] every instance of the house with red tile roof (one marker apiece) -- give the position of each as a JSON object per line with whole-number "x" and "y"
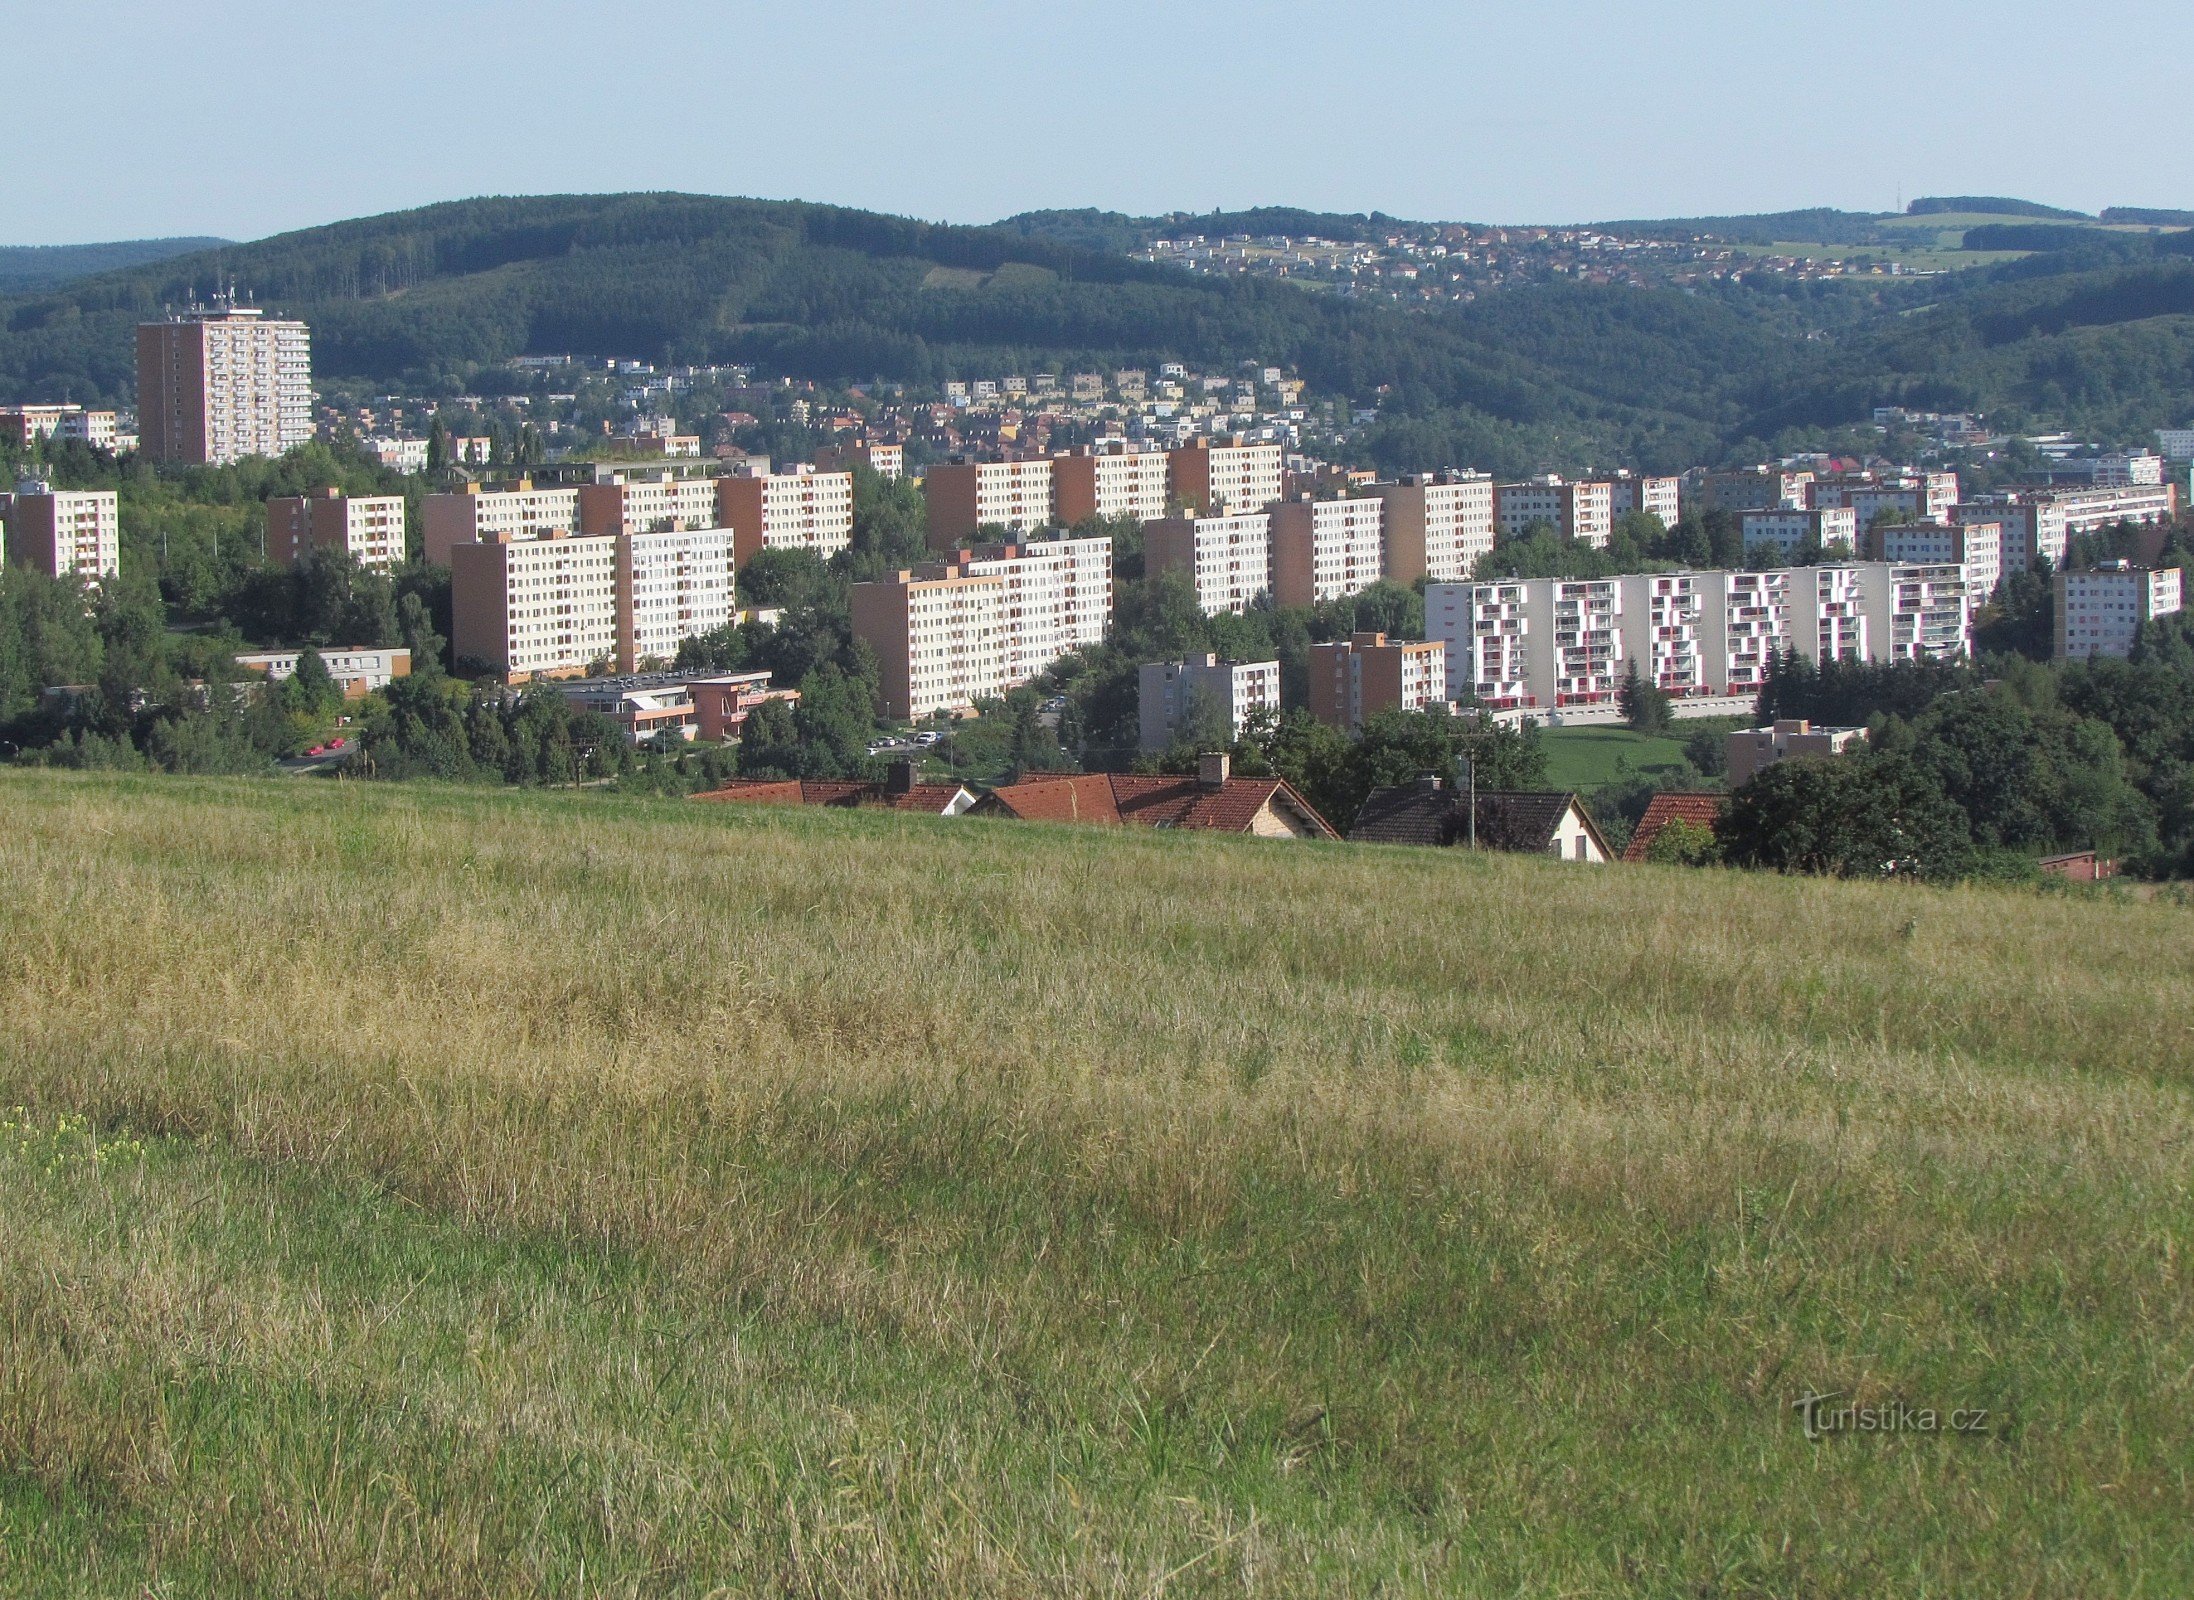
{"x": 898, "y": 792}
{"x": 1214, "y": 801}
{"x": 1528, "y": 821}
{"x": 1699, "y": 809}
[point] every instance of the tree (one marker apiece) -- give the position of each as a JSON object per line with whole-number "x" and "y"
{"x": 1645, "y": 705}
{"x": 1684, "y": 843}
{"x": 1708, "y": 752}
{"x": 313, "y": 688}
{"x": 1846, "y": 816}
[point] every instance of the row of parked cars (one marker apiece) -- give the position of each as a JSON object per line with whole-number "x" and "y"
{"x": 903, "y": 741}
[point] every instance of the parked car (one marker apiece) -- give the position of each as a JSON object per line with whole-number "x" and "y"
{"x": 925, "y": 740}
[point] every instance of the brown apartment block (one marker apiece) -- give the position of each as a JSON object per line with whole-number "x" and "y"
{"x": 964, "y": 495}
{"x": 214, "y": 386}
{"x": 938, "y": 636}
{"x": 1368, "y": 674}
{"x": 1109, "y": 480}
{"x": 1209, "y": 475}
{"x": 888, "y": 461}
{"x": 1437, "y": 525}
{"x": 368, "y": 528}
{"x": 799, "y": 510}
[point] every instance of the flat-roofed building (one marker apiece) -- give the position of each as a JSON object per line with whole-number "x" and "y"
{"x": 1366, "y": 673}
{"x": 628, "y": 500}
{"x": 217, "y": 384}
{"x": 1580, "y": 511}
{"x": 887, "y": 461}
{"x": 1058, "y": 599}
{"x": 1225, "y": 476}
{"x": 1111, "y": 479}
{"x": 1655, "y": 496}
{"x": 966, "y": 495}
{"x": 1436, "y": 525}
{"x": 1750, "y": 750}
{"x": 803, "y": 509}
{"x": 1326, "y": 549}
{"x": 1178, "y": 695}
{"x": 1553, "y": 642}
{"x": 938, "y": 638}
{"x": 64, "y": 533}
{"x": 474, "y": 514}
{"x": 670, "y": 585}
{"x": 26, "y": 425}
{"x": 527, "y": 607}
{"x": 2101, "y": 612}
{"x": 1228, "y": 559}
{"x": 367, "y": 528}
{"x": 1754, "y": 489}
{"x": 357, "y": 669}
{"x": 1976, "y": 546}
{"x": 1786, "y": 530}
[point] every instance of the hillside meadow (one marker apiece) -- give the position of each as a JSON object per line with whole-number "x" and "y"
{"x": 433, "y": 1193}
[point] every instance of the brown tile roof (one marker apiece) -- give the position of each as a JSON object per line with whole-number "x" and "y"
{"x": 1433, "y": 814}
{"x": 925, "y": 797}
{"x": 1154, "y": 802}
{"x": 1701, "y": 809}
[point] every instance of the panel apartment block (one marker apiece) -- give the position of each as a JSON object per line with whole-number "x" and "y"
{"x": 1216, "y": 477}
{"x": 1058, "y": 599}
{"x": 1550, "y": 642}
{"x": 1658, "y": 497}
{"x": 803, "y": 509}
{"x": 2099, "y": 613}
{"x": 1326, "y": 549}
{"x": 1436, "y": 525}
{"x": 965, "y": 496}
{"x": 1580, "y": 511}
{"x": 66, "y": 533}
{"x": 937, "y": 634}
{"x": 216, "y": 385}
{"x": 1976, "y": 546}
{"x": 1229, "y": 559}
{"x": 527, "y": 606}
{"x": 367, "y": 528}
{"x": 647, "y": 502}
{"x": 1786, "y": 530}
{"x": 670, "y": 586}
{"x": 1367, "y": 673}
{"x": 474, "y": 514}
{"x": 1109, "y": 480}
{"x": 1233, "y": 691}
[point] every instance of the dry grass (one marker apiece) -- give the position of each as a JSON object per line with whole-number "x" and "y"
{"x": 572, "y": 1195}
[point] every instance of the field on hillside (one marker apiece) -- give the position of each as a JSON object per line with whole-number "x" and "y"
{"x": 507, "y": 1194}
{"x": 1587, "y": 755}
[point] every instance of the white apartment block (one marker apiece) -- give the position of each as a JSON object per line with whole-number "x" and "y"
{"x": 1228, "y": 559}
{"x": 367, "y": 528}
{"x": 670, "y": 586}
{"x": 2099, "y": 613}
{"x": 2086, "y": 510}
{"x": 398, "y": 455}
{"x": 966, "y": 496}
{"x": 2176, "y": 444}
{"x": 1580, "y": 511}
{"x": 1326, "y": 549}
{"x": 477, "y": 514}
{"x": 1225, "y": 477}
{"x": 1659, "y": 497}
{"x": 214, "y": 386}
{"x": 1976, "y": 546}
{"x": 1549, "y": 642}
{"x": 67, "y": 533}
{"x": 1234, "y": 691}
{"x": 938, "y": 636}
{"x": 1916, "y": 496}
{"x": 1437, "y": 525}
{"x": 1786, "y": 530}
{"x": 1057, "y": 599}
{"x": 1111, "y": 479}
{"x": 802, "y": 509}
{"x": 534, "y": 605}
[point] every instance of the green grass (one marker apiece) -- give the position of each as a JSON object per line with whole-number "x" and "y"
{"x": 1587, "y": 757}
{"x": 560, "y": 1194}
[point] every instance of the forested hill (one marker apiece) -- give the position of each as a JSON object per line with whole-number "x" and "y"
{"x": 34, "y": 266}
{"x": 1563, "y": 376}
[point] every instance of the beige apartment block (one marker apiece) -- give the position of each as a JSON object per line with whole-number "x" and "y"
{"x": 1228, "y": 559}
{"x": 2100, "y": 613}
{"x": 216, "y": 385}
{"x": 1655, "y": 496}
{"x": 1367, "y": 673}
{"x": 887, "y": 461}
{"x": 1326, "y": 549}
{"x": 804, "y": 509}
{"x": 1580, "y": 511}
{"x": 938, "y": 637}
{"x": 367, "y": 528}
{"x": 1437, "y": 525}
{"x": 66, "y": 533}
{"x": 625, "y": 501}
{"x": 1215, "y": 477}
{"x": 966, "y": 495}
{"x": 474, "y": 514}
{"x": 1109, "y": 480}
{"x": 538, "y": 606}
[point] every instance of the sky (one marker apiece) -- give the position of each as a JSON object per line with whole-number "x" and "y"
{"x": 243, "y": 118}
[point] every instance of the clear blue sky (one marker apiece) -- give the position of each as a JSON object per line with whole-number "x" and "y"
{"x": 248, "y": 117}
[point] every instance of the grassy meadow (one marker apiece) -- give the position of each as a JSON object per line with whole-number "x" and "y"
{"x": 432, "y": 1193}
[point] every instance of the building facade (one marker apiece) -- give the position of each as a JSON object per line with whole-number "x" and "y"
{"x": 1786, "y": 530}
{"x": 64, "y": 533}
{"x": 965, "y": 495}
{"x": 1228, "y": 559}
{"x": 216, "y": 385}
{"x": 367, "y": 528}
{"x": 1580, "y": 511}
{"x": 532, "y": 606}
{"x": 803, "y": 509}
{"x": 357, "y": 669}
{"x": 1174, "y": 693}
{"x": 475, "y": 514}
{"x": 1976, "y": 546}
{"x": 1436, "y": 525}
{"x": 1326, "y": 549}
{"x": 2100, "y": 613}
{"x": 1365, "y": 674}
{"x": 1225, "y": 477}
{"x": 1112, "y": 479}
{"x": 1655, "y": 496}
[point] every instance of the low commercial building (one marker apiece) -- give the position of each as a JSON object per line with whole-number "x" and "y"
{"x": 1580, "y": 511}
{"x": 2101, "y": 612}
{"x": 1228, "y": 559}
{"x": 64, "y": 533}
{"x": 1753, "y": 749}
{"x": 1225, "y": 476}
{"x": 1111, "y": 479}
{"x": 1177, "y": 694}
{"x": 1326, "y": 549}
{"x": 1786, "y": 530}
{"x": 803, "y": 509}
{"x": 1437, "y": 525}
{"x": 1359, "y": 677}
{"x": 684, "y": 706}
{"x": 1525, "y": 821}
{"x": 367, "y": 528}
{"x": 357, "y": 669}
{"x": 25, "y": 425}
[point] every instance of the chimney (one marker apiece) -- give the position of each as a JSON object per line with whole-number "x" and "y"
{"x": 1429, "y": 783}
{"x": 1213, "y": 769}
{"x": 900, "y": 778}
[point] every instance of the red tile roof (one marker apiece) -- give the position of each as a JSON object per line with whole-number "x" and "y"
{"x": 927, "y": 797}
{"x": 1155, "y": 802}
{"x": 1700, "y": 810}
